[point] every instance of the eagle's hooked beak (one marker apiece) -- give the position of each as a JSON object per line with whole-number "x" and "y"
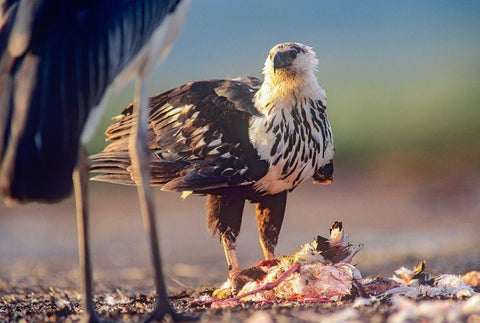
{"x": 284, "y": 59}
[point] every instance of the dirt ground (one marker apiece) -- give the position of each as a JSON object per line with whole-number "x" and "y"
{"x": 400, "y": 219}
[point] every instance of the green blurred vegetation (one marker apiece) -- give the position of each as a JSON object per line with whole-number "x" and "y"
{"x": 424, "y": 119}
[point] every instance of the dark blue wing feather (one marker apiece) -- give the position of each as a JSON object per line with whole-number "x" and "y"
{"x": 75, "y": 50}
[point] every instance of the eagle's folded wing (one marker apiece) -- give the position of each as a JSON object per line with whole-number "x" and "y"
{"x": 199, "y": 138}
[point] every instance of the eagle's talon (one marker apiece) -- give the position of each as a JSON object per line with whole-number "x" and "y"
{"x": 237, "y": 281}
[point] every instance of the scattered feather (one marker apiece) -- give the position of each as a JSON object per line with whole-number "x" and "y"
{"x": 472, "y": 278}
{"x": 319, "y": 271}
{"x": 416, "y": 283}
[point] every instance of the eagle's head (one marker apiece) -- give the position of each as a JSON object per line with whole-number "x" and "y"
{"x": 289, "y": 71}
{"x": 289, "y": 62}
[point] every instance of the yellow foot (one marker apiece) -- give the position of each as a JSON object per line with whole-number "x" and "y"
{"x": 222, "y": 293}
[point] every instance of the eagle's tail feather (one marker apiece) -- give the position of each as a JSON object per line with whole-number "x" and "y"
{"x": 122, "y": 179}
{"x": 115, "y": 167}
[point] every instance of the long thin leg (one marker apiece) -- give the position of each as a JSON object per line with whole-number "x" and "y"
{"x": 140, "y": 156}
{"x": 269, "y": 214}
{"x": 224, "y": 217}
{"x": 80, "y": 182}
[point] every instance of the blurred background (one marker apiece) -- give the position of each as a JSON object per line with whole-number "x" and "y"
{"x": 402, "y": 80}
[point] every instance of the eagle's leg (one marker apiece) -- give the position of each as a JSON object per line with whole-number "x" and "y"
{"x": 80, "y": 182}
{"x": 224, "y": 217}
{"x": 269, "y": 212}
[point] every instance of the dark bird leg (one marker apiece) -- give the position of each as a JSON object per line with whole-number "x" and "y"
{"x": 224, "y": 217}
{"x": 269, "y": 212}
{"x": 80, "y": 182}
{"x": 140, "y": 156}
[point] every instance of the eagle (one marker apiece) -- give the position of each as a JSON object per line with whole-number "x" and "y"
{"x": 234, "y": 140}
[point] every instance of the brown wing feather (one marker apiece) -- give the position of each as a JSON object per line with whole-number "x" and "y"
{"x": 198, "y": 138}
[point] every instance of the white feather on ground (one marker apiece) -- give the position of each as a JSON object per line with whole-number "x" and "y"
{"x": 415, "y": 283}
{"x": 325, "y": 273}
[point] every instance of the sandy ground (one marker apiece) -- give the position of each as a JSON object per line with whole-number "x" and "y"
{"x": 400, "y": 220}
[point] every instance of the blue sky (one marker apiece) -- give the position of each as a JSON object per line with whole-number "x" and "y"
{"x": 227, "y": 38}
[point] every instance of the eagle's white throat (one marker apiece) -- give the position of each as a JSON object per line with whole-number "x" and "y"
{"x": 293, "y": 134}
